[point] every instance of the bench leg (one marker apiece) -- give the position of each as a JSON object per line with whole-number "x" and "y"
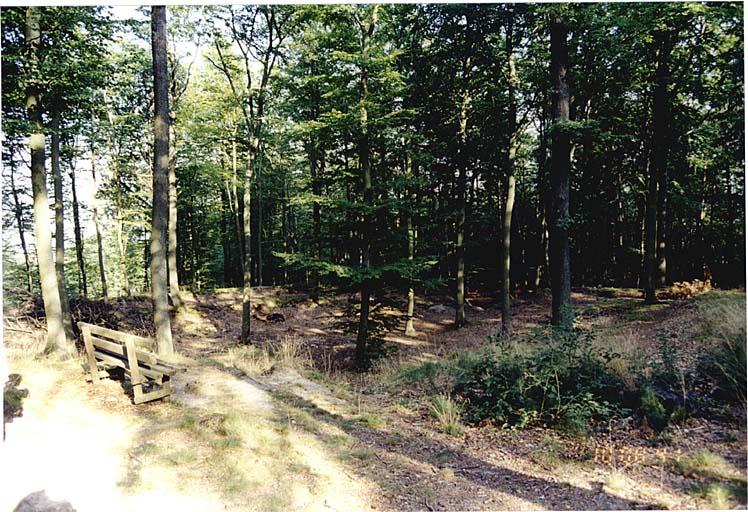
{"x": 138, "y": 395}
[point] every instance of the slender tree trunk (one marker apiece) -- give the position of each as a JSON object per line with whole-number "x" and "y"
{"x": 160, "y": 218}
{"x": 121, "y": 242}
{"x": 661, "y": 278}
{"x": 176, "y": 297}
{"x": 47, "y": 275}
{"x": 83, "y": 282}
{"x": 316, "y": 211}
{"x": 259, "y": 217}
{"x": 462, "y": 198}
{"x": 225, "y": 235}
{"x": 562, "y": 314}
{"x": 510, "y": 181}
{"x": 18, "y": 211}
{"x": 67, "y": 321}
{"x": 409, "y": 329}
{"x": 247, "y": 264}
{"x": 97, "y": 226}
{"x": 363, "y": 324}
{"x": 657, "y": 171}
{"x": 235, "y": 203}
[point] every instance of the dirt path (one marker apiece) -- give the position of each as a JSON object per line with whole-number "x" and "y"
{"x": 221, "y": 444}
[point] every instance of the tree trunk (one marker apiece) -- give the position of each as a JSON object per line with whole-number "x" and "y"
{"x": 661, "y": 278}
{"x": 18, "y": 211}
{"x": 409, "y": 329}
{"x": 235, "y": 202}
{"x": 47, "y": 276}
{"x": 160, "y": 218}
{"x": 363, "y": 324}
{"x": 99, "y": 244}
{"x": 462, "y": 198}
{"x": 511, "y": 183}
{"x": 247, "y": 263}
{"x": 259, "y": 217}
{"x": 83, "y": 282}
{"x": 176, "y": 297}
{"x": 67, "y": 321}
{"x": 561, "y": 312}
{"x": 657, "y": 171}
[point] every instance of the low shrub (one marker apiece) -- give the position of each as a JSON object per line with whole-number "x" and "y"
{"x": 652, "y": 410}
{"x": 565, "y": 381}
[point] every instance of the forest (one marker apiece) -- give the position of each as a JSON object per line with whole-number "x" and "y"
{"x": 454, "y": 254}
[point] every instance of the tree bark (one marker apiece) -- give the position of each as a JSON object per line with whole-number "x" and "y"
{"x": 656, "y": 200}
{"x": 363, "y": 324}
{"x": 259, "y": 218}
{"x": 176, "y": 297}
{"x": 247, "y": 263}
{"x": 510, "y": 180}
{"x": 409, "y": 329}
{"x": 83, "y": 281}
{"x": 67, "y": 321}
{"x": 50, "y": 294}
{"x": 160, "y": 217}
{"x": 561, "y": 311}
{"x": 97, "y": 226}
{"x": 462, "y": 196}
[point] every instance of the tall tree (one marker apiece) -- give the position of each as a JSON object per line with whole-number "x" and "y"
{"x": 160, "y": 218}
{"x": 558, "y": 215}
{"x": 513, "y": 132}
{"x": 463, "y": 103}
{"x": 655, "y": 262}
{"x": 47, "y": 275}
{"x": 366, "y": 24}
{"x": 67, "y": 321}
{"x": 83, "y": 281}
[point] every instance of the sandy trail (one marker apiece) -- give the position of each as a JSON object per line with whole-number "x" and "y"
{"x": 81, "y": 446}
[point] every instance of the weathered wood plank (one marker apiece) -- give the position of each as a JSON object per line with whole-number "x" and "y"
{"x": 93, "y": 368}
{"x": 121, "y": 336}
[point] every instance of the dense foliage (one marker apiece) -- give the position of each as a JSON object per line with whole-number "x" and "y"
{"x": 374, "y": 147}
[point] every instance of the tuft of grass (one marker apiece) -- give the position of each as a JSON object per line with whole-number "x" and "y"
{"x": 360, "y": 454}
{"x": 724, "y": 334}
{"x": 615, "y": 481}
{"x": 256, "y": 361}
{"x": 249, "y": 359}
{"x": 446, "y": 474}
{"x": 291, "y": 354}
{"x": 547, "y": 450}
{"x": 447, "y": 413}
{"x": 424, "y": 372}
{"x": 369, "y": 420}
{"x": 707, "y": 464}
{"x": 718, "y": 495}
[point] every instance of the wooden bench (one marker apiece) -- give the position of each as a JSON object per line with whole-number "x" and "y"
{"x": 127, "y": 351}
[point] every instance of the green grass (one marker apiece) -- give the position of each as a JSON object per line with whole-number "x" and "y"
{"x": 447, "y": 413}
{"x": 719, "y": 496}
{"x": 707, "y": 464}
{"x": 370, "y": 420}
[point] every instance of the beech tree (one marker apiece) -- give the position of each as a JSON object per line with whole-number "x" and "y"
{"x": 47, "y": 274}
{"x": 160, "y": 218}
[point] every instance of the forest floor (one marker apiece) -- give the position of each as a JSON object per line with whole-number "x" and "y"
{"x": 286, "y": 425}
